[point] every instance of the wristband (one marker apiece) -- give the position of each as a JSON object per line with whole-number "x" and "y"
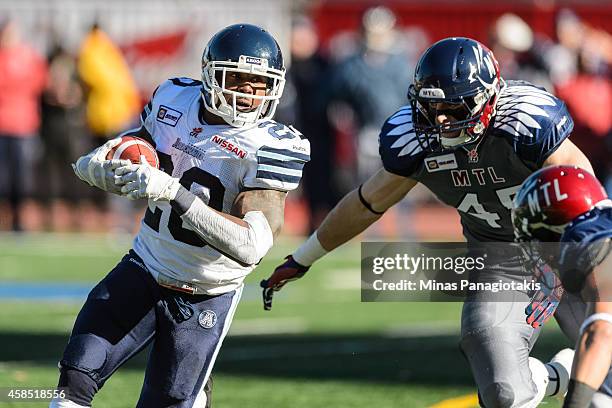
{"x": 594, "y": 317}
{"x": 366, "y": 204}
{"x": 579, "y": 395}
{"x": 309, "y": 251}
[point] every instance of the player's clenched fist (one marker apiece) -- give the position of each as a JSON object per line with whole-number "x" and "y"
{"x": 289, "y": 271}
{"x": 94, "y": 169}
{"x": 145, "y": 181}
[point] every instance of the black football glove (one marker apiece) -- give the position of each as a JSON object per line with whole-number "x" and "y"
{"x": 286, "y": 272}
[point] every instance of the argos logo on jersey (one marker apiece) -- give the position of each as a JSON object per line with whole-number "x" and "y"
{"x": 230, "y": 147}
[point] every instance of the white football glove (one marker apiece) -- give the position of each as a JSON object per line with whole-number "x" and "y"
{"x": 145, "y": 181}
{"x": 94, "y": 169}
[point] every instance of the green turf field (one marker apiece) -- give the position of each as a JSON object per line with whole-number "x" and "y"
{"x": 318, "y": 347}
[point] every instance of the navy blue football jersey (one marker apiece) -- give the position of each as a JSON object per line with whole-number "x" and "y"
{"x": 481, "y": 179}
{"x": 584, "y": 244}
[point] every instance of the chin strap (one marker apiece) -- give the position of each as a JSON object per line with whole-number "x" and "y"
{"x": 479, "y": 129}
{"x": 462, "y": 139}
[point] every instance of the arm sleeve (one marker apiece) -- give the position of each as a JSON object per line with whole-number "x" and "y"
{"x": 245, "y": 245}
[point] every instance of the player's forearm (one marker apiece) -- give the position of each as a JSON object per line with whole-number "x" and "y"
{"x": 593, "y": 354}
{"x": 348, "y": 219}
{"x": 568, "y": 154}
{"x": 594, "y": 348}
{"x": 354, "y": 213}
{"x": 245, "y": 240}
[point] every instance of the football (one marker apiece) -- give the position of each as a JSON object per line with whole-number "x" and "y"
{"x": 131, "y": 148}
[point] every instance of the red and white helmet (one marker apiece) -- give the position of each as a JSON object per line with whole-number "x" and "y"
{"x": 551, "y": 198}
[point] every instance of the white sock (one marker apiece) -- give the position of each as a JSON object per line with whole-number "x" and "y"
{"x": 541, "y": 378}
{"x": 559, "y": 370}
{"x": 551, "y": 378}
{"x": 64, "y": 403}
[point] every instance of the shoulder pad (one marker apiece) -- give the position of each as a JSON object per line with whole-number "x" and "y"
{"x": 399, "y": 147}
{"x": 536, "y": 121}
{"x": 279, "y": 158}
{"x": 280, "y": 131}
{"x": 171, "y": 100}
{"x": 590, "y": 225}
{"x": 173, "y": 87}
{"x": 185, "y": 82}
{"x": 584, "y": 244}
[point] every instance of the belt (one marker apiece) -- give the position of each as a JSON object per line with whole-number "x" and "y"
{"x": 162, "y": 280}
{"x": 178, "y": 285}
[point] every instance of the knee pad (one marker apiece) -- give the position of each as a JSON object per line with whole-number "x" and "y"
{"x": 80, "y": 367}
{"x": 86, "y": 353}
{"x": 80, "y": 387}
{"x": 497, "y": 395}
{"x": 498, "y": 358}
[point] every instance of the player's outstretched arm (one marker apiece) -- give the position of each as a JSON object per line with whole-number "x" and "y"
{"x": 352, "y": 215}
{"x": 569, "y": 154}
{"x": 361, "y": 208}
{"x": 594, "y": 348}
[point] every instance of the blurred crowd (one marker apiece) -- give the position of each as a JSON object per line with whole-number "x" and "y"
{"x": 52, "y": 110}
{"x": 55, "y": 108}
{"x": 575, "y": 67}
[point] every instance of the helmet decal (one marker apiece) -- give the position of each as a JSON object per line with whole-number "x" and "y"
{"x": 551, "y": 198}
{"x": 486, "y": 60}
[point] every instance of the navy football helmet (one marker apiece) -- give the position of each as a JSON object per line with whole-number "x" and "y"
{"x": 242, "y": 48}
{"x": 458, "y": 77}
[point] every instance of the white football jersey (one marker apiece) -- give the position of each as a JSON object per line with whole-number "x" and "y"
{"x": 214, "y": 162}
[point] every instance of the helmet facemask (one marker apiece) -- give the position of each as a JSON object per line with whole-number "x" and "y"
{"x": 531, "y": 225}
{"x": 223, "y": 102}
{"x": 473, "y": 114}
{"x": 539, "y": 249}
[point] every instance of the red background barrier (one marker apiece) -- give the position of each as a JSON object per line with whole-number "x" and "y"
{"x": 442, "y": 19}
